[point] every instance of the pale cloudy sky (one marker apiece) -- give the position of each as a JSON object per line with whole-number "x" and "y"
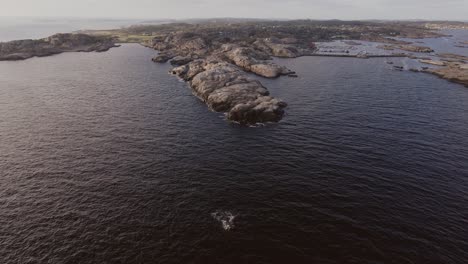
{"x": 314, "y": 9}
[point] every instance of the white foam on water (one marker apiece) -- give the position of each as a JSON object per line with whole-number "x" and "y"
{"x": 226, "y": 218}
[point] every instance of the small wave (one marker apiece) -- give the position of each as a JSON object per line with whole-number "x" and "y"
{"x": 226, "y": 218}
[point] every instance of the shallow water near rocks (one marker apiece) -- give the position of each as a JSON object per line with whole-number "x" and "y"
{"x": 106, "y": 158}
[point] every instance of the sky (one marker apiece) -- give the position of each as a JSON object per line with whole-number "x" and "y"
{"x": 289, "y": 9}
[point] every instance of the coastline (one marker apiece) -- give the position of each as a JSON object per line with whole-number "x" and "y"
{"x": 55, "y": 44}
{"x": 215, "y": 65}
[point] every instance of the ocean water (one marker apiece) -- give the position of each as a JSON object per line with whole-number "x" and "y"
{"x": 451, "y": 43}
{"x": 106, "y": 158}
{"x": 13, "y": 28}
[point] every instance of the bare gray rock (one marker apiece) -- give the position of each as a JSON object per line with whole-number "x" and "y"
{"x": 219, "y": 76}
{"x": 180, "y": 60}
{"x": 263, "y": 109}
{"x": 163, "y": 57}
{"x": 224, "y": 87}
{"x": 283, "y": 48}
{"x": 254, "y": 61}
{"x": 269, "y": 70}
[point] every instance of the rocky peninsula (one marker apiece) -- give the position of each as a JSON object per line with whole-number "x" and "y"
{"x": 215, "y": 58}
{"x": 453, "y": 72}
{"x": 217, "y": 73}
{"x": 58, "y": 43}
{"x": 453, "y": 67}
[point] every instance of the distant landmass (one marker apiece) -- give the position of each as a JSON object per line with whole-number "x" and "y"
{"x": 58, "y": 43}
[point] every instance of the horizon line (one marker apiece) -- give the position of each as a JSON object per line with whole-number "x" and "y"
{"x": 238, "y": 18}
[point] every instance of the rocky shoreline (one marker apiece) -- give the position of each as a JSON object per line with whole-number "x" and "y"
{"x": 453, "y": 68}
{"x": 215, "y": 59}
{"x": 215, "y": 69}
{"x": 216, "y": 72}
{"x": 448, "y": 66}
{"x": 226, "y": 88}
{"x": 55, "y": 44}
{"x": 407, "y": 47}
{"x": 453, "y": 73}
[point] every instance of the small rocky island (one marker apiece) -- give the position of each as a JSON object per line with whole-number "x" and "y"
{"x": 58, "y": 43}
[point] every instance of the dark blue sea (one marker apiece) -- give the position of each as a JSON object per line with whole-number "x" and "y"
{"x": 106, "y": 158}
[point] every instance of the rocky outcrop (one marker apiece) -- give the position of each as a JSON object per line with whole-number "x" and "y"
{"x": 163, "y": 57}
{"x": 224, "y": 87}
{"x": 269, "y": 70}
{"x": 454, "y": 72}
{"x": 386, "y": 47}
{"x": 181, "y": 44}
{"x": 450, "y": 57}
{"x": 24, "y": 49}
{"x": 410, "y": 48}
{"x": 263, "y": 109}
{"x": 215, "y": 58}
{"x": 414, "y": 48}
{"x": 180, "y": 60}
{"x": 216, "y": 72}
{"x": 254, "y": 61}
{"x": 433, "y": 62}
{"x": 282, "y": 48}
{"x": 454, "y": 67}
